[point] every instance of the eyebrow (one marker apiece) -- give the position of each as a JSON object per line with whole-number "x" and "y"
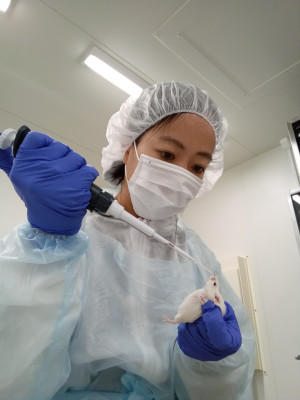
{"x": 181, "y": 146}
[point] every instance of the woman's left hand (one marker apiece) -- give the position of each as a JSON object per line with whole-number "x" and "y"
{"x": 212, "y": 336}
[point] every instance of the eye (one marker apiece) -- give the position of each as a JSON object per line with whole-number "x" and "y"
{"x": 198, "y": 169}
{"x": 166, "y": 155}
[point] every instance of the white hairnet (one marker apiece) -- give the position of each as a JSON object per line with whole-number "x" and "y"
{"x": 138, "y": 114}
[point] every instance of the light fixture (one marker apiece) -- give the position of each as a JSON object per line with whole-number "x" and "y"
{"x": 115, "y": 72}
{"x": 4, "y": 4}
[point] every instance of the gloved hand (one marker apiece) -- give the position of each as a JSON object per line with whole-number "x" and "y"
{"x": 6, "y": 159}
{"x": 54, "y": 183}
{"x": 212, "y": 336}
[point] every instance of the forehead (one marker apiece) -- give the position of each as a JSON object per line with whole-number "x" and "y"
{"x": 185, "y": 126}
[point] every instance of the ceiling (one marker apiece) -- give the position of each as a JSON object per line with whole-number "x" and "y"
{"x": 244, "y": 53}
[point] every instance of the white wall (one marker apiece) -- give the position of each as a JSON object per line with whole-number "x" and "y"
{"x": 247, "y": 214}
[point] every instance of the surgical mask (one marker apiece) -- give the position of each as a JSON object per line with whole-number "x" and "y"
{"x": 159, "y": 189}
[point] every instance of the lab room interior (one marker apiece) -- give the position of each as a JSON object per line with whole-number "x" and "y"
{"x": 245, "y": 56}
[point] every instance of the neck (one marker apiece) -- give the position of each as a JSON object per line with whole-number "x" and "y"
{"x": 123, "y": 198}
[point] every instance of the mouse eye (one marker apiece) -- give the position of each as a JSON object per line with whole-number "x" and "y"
{"x": 215, "y": 284}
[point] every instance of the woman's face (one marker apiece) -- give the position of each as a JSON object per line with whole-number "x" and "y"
{"x": 187, "y": 141}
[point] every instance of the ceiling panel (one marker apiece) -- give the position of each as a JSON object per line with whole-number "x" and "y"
{"x": 237, "y": 47}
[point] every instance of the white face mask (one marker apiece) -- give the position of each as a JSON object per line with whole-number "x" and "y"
{"x": 159, "y": 189}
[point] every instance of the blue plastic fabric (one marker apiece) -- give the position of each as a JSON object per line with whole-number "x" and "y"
{"x": 6, "y": 160}
{"x": 81, "y": 317}
{"x": 211, "y": 337}
{"x": 54, "y": 183}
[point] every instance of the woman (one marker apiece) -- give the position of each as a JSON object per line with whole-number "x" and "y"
{"x": 82, "y": 310}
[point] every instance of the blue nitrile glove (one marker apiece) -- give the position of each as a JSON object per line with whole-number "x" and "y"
{"x": 54, "y": 183}
{"x": 212, "y": 336}
{"x": 6, "y": 159}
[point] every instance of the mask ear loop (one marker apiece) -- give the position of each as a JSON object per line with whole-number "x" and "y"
{"x": 137, "y": 156}
{"x": 136, "y": 152}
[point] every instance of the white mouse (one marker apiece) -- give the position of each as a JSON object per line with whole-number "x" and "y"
{"x": 191, "y": 307}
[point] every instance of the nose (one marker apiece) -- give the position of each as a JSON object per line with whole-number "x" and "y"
{"x": 183, "y": 164}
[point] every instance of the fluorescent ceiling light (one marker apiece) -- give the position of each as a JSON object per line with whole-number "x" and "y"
{"x": 115, "y": 72}
{"x": 4, "y": 4}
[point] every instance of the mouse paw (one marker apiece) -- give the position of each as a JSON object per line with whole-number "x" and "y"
{"x": 203, "y": 299}
{"x": 167, "y": 320}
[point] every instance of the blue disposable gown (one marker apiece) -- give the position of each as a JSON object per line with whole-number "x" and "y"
{"x": 81, "y": 316}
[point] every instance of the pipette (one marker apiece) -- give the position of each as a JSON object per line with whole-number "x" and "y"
{"x": 101, "y": 201}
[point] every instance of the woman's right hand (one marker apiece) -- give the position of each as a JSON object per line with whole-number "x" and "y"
{"x": 54, "y": 183}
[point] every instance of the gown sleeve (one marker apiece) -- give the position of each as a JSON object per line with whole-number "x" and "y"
{"x": 227, "y": 379}
{"x": 41, "y": 285}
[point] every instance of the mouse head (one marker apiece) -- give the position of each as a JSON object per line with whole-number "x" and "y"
{"x": 212, "y": 287}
